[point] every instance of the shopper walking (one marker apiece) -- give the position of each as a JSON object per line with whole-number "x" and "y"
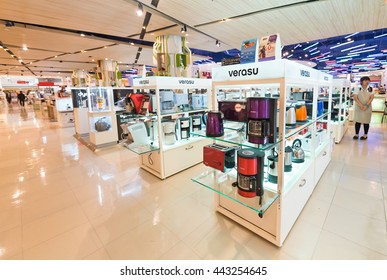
{"x": 8, "y": 96}
{"x": 363, "y": 108}
{"x": 21, "y": 98}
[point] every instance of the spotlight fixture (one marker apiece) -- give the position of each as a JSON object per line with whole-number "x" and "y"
{"x": 217, "y": 43}
{"x": 132, "y": 44}
{"x": 82, "y": 35}
{"x": 25, "y": 48}
{"x": 20, "y": 60}
{"x": 140, "y": 10}
{"x": 184, "y": 29}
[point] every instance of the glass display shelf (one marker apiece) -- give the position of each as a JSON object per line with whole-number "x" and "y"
{"x": 236, "y": 137}
{"x": 141, "y": 149}
{"x": 323, "y": 116}
{"x": 291, "y": 131}
{"x": 183, "y": 112}
{"x": 221, "y": 183}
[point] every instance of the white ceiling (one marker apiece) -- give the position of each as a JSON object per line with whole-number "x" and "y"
{"x": 307, "y": 22}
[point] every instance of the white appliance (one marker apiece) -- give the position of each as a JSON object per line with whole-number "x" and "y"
{"x": 181, "y": 99}
{"x": 199, "y": 101}
{"x": 167, "y": 103}
{"x": 169, "y": 130}
{"x": 139, "y": 134}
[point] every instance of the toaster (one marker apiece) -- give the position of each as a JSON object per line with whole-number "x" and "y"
{"x": 219, "y": 157}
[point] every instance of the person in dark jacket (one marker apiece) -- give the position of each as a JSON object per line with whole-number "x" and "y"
{"x": 21, "y": 98}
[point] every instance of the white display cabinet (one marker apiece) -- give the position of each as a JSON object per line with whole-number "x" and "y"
{"x": 273, "y": 215}
{"x": 170, "y": 148}
{"x": 340, "y": 119}
{"x": 81, "y": 110}
{"x": 64, "y": 108}
{"x": 102, "y": 124}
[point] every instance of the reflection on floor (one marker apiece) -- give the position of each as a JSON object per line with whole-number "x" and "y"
{"x": 59, "y": 200}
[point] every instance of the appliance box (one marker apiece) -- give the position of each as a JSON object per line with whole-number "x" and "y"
{"x": 233, "y": 110}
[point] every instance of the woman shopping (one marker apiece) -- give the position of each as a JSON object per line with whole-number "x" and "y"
{"x": 363, "y": 109}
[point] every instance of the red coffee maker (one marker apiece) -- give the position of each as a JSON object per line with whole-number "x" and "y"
{"x": 250, "y": 173}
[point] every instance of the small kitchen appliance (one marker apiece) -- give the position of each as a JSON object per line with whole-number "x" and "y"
{"x": 214, "y": 124}
{"x": 273, "y": 167}
{"x": 291, "y": 116}
{"x": 184, "y": 127}
{"x": 196, "y": 123}
{"x": 261, "y": 120}
{"x": 233, "y": 110}
{"x": 298, "y": 152}
{"x": 167, "y": 103}
{"x": 219, "y": 157}
{"x": 169, "y": 132}
{"x": 301, "y": 114}
{"x": 288, "y": 159}
{"x": 250, "y": 173}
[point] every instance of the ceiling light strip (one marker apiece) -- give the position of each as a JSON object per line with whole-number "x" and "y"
{"x": 350, "y": 35}
{"x": 311, "y": 46}
{"x": 340, "y": 45}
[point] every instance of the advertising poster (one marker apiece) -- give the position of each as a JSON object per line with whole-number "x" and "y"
{"x": 268, "y": 47}
{"x": 249, "y": 51}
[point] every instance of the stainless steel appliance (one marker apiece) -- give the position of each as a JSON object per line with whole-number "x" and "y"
{"x": 288, "y": 159}
{"x": 184, "y": 128}
{"x": 291, "y": 116}
{"x": 273, "y": 167}
{"x": 196, "y": 123}
{"x": 298, "y": 152}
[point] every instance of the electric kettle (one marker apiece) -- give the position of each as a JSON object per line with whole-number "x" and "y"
{"x": 288, "y": 158}
{"x": 214, "y": 124}
{"x": 298, "y": 152}
{"x": 301, "y": 115}
{"x": 291, "y": 116}
{"x": 273, "y": 167}
{"x": 320, "y": 108}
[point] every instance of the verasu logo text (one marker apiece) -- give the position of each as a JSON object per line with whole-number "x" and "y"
{"x": 243, "y": 72}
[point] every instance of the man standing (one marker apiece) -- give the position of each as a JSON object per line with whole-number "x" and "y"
{"x": 21, "y": 98}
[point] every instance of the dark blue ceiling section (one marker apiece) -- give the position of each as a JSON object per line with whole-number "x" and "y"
{"x": 350, "y": 53}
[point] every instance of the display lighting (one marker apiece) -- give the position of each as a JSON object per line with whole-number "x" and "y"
{"x": 366, "y": 59}
{"x": 140, "y": 10}
{"x": 382, "y": 35}
{"x": 344, "y": 60}
{"x": 311, "y": 50}
{"x": 290, "y": 56}
{"x": 340, "y": 45}
{"x": 313, "y": 53}
{"x": 370, "y": 50}
{"x": 325, "y": 59}
{"x": 349, "y": 55}
{"x": 350, "y": 35}
{"x": 306, "y": 55}
{"x": 183, "y": 29}
{"x": 376, "y": 55}
{"x": 298, "y": 45}
{"x": 358, "y": 46}
{"x": 364, "y": 48}
{"x": 217, "y": 43}
{"x": 310, "y": 46}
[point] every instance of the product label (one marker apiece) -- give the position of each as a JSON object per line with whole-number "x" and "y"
{"x": 305, "y": 73}
{"x": 186, "y": 82}
{"x": 239, "y": 107}
{"x": 243, "y": 72}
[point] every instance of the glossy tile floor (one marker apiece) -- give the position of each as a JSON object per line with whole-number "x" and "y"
{"x": 59, "y": 200}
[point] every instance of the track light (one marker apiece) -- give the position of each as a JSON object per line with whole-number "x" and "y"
{"x": 217, "y": 43}
{"x": 82, "y": 35}
{"x": 184, "y": 29}
{"x": 140, "y": 10}
{"x": 25, "y": 48}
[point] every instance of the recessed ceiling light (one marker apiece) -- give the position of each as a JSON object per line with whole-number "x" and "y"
{"x": 82, "y": 35}
{"x": 56, "y": 56}
{"x": 132, "y": 43}
{"x": 20, "y": 60}
{"x": 105, "y": 47}
{"x": 93, "y": 60}
{"x": 83, "y": 51}
{"x": 306, "y": 55}
{"x": 31, "y": 62}
{"x": 120, "y": 62}
{"x": 106, "y": 58}
{"x": 25, "y": 48}
{"x": 144, "y": 27}
{"x": 152, "y": 33}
